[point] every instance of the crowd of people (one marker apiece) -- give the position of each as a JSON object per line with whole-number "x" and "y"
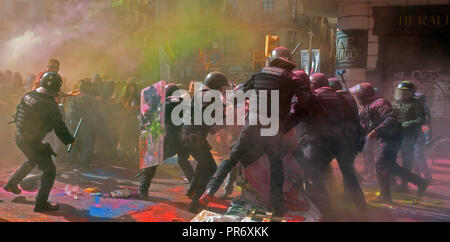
{"x": 326, "y": 118}
{"x": 96, "y": 100}
{"x": 12, "y": 87}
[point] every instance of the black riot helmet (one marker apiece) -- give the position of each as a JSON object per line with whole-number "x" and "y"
{"x": 171, "y": 88}
{"x": 364, "y": 92}
{"x": 405, "y": 90}
{"x": 50, "y": 84}
{"x": 215, "y": 80}
{"x": 280, "y": 57}
{"x": 405, "y": 85}
{"x": 319, "y": 80}
{"x": 302, "y": 79}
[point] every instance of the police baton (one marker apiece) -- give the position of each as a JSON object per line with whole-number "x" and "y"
{"x": 75, "y": 134}
{"x": 341, "y": 74}
{"x": 296, "y": 48}
{"x": 140, "y": 173}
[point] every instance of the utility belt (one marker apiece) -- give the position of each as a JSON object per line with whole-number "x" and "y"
{"x": 44, "y": 149}
{"x": 26, "y": 137}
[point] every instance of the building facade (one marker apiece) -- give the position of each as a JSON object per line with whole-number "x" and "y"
{"x": 228, "y": 36}
{"x": 387, "y": 41}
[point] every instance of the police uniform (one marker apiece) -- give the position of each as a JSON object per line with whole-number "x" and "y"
{"x": 411, "y": 114}
{"x": 251, "y": 145}
{"x": 194, "y": 138}
{"x": 36, "y": 116}
{"x": 332, "y": 132}
{"x": 378, "y": 115}
{"x": 172, "y": 146}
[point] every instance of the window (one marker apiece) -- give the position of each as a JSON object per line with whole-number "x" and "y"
{"x": 231, "y": 45}
{"x": 230, "y": 8}
{"x": 292, "y": 39}
{"x": 231, "y": 5}
{"x": 292, "y": 9}
{"x": 267, "y": 7}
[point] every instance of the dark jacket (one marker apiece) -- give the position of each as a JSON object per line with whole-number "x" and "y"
{"x": 274, "y": 78}
{"x": 411, "y": 114}
{"x": 379, "y": 115}
{"x": 37, "y": 115}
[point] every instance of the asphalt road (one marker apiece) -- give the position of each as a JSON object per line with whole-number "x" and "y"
{"x": 167, "y": 202}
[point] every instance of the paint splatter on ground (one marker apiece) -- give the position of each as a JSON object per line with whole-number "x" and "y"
{"x": 167, "y": 202}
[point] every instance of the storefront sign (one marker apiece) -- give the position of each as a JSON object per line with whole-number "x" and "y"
{"x": 412, "y": 19}
{"x": 351, "y": 48}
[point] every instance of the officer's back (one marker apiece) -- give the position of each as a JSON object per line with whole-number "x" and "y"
{"x": 330, "y": 120}
{"x": 276, "y": 76}
{"x": 37, "y": 115}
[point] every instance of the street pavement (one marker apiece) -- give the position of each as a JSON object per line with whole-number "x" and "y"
{"x": 167, "y": 202}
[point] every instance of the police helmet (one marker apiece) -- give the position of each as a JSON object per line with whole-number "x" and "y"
{"x": 319, "y": 80}
{"x": 404, "y": 90}
{"x": 406, "y": 85}
{"x": 302, "y": 79}
{"x": 171, "y": 88}
{"x": 215, "y": 80}
{"x": 280, "y": 57}
{"x": 50, "y": 83}
{"x": 364, "y": 92}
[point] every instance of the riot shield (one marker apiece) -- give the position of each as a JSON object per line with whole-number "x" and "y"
{"x": 151, "y": 139}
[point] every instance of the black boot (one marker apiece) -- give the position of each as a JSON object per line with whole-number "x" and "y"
{"x": 18, "y": 176}
{"x": 45, "y": 207}
{"x": 145, "y": 182}
{"x": 195, "y": 207}
{"x": 143, "y": 196}
{"x": 421, "y": 188}
{"x": 385, "y": 188}
{"x": 12, "y": 188}
{"x": 403, "y": 188}
{"x": 190, "y": 191}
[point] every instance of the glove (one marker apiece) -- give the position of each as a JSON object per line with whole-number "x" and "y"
{"x": 409, "y": 124}
{"x": 406, "y": 124}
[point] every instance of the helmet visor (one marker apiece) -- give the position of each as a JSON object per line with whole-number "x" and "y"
{"x": 402, "y": 94}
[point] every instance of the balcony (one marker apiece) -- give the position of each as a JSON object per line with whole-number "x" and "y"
{"x": 276, "y": 18}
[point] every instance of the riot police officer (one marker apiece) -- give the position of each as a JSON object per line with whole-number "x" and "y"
{"x": 251, "y": 145}
{"x": 172, "y": 143}
{"x": 334, "y": 132}
{"x": 37, "y": 115}
{"x": 411, "y": 114}
{"x": 194, "y": 136}
{"x": 380, "y": 122}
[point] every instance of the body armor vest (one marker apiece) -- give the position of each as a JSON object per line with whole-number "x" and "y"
{"x": 31, "y": 120}
{"x": 275, "y": 78}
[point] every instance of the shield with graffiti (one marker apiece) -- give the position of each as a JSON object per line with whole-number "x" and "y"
{"x": 151, "y": 140}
